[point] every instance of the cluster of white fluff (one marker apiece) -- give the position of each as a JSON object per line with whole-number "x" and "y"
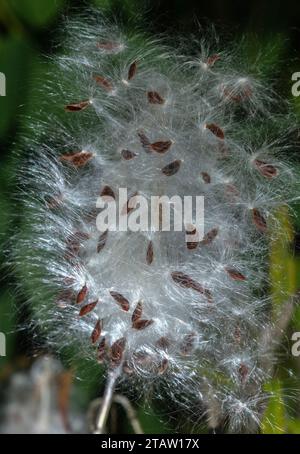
{"x": 185, "y": 317}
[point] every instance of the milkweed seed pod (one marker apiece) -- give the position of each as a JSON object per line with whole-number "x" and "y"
{"x": 165, "y": 312}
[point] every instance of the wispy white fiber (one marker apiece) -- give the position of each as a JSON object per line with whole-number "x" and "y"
{"x": 186, "y": 318}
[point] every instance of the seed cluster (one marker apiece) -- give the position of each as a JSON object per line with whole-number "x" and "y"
{"x": 185, "y": 316}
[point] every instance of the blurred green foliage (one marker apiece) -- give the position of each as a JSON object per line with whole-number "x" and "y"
{"x": 27, "y": 28}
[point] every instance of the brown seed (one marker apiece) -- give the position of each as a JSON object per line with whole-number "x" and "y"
{"x": 96, "y": 332}
{"x": 216, "y": 130}
{"x": 206, "y": 177}
{"x": 109, "y": 46}
{"x": 82, "y": 295}
{"x": 117, "y": 352}
{"x": 265, "y": 169}
{"x": 104, "y": 83}
{"x": 213, "y": 59}
{"x": 121, "y": 300}
{"x": 155, "y": 98}
{"x": 150, "y": 253}
{"x": 132, "y": 70}
{"x": 127, "y": 155}
{"x": 64, "y": 298}
{"x": 137, "y": 313}
{"x": 78, "y": 159}
{"x": 130, "y": 205}
{"x": 172, "y": 169}
{"x": 142, "y": 324}
{"x": 88, "y": 308}
{"x": 54, "y": 202}
{"x": 209, "y": 237}
{"x": 231, "y": 190}
{"x": 237, "y": 334}
{"x": 244, "y": 94}
{"x": 73, "y": 244}
{"x": 186, "y": 281}
{"x": 163, "y": 366}
{"x": 101, "y": 351}
{"x": 208, "y": 295}
{"x": 161, "y": 146}
{"x": 191, "y": 245}
{"x": 107, "y": 192}
{"x": 142, "y": 358}
{"x": 163, "y": 343}
{"x": 102, "y": 241}
{"x": 235, "y": 275}
{"x": 77, "y": 107}
{"x": 146, "y": 144}
{"x": 259, "y": 220}
{"x": 243, "y": 372}
{"x": 188, "y": 344}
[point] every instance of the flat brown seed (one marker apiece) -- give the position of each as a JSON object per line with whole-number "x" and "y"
{"x": 77, "y": 107}
{"x": 53, "y": 202}
{"x": 142, "y": 324}
{"x": 206, "y": 177}
{"x": 109, "y": 46}
{"x": 192, "y": 245}
{"x": 130, "y": 205}
{"x": 101, "y": 351}
{"x": 96, "y": 332}
{"x": 163, "y": 343}
{"x": 161, "y": 146}
{"x": 186, "y": 281}
{"x": 146, "y": 144}
{"x": 216, "y": 130}
{"x": 107, "y": 192}
{"x": 65, "y": 298}
{"x": 155, "y": 98}
{"x": 137, "y": 313}
{"x": 243, "y": 95}
{"x": 117, "y": 352}
{"x": 102, "y": 241}
{"x": 243, "y": 372}
{"x": 208, "y": 295}
{"x": 163, "y": 366}
{"x": 150, "y": 254}
{"x": 188, "y": 344}
{"x": 121, "y": 300}
{"x": 213, "y": 59}
{"x": 172, "y": 169}
{"x": 237, "y": 334}
{"x": 78, "y": 159}
{"x": 82, "y": 295}
{"x": 259, "y": 220}
{"x": 104, "y": 83}
{"x": 127, "y": 155}
{"x": 235, "y": 275}
{"x": 265, "y": 169}
{"x": 132, "y": 70}
{"x": 209, "y": 237}
{"x": 88, "y": 308}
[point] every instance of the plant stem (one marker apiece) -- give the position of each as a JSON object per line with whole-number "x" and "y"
{"x": 106, "y": 402}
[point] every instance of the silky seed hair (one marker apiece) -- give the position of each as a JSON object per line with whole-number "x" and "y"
{"x": 184, "y": 318}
